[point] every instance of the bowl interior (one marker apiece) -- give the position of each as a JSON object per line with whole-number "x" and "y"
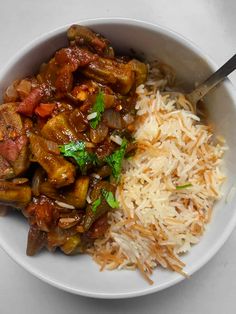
{"x": 79, "y": 274}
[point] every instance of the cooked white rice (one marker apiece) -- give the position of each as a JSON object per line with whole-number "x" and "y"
{"x": 167, "y": 189}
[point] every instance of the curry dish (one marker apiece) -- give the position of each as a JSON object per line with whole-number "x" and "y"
{"x": 101, "y": 158}
{"x": 63, "y": 135}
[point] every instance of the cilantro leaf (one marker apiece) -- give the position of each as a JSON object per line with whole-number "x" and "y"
{"x": 96, "y": 203}
{"x": 181, "y": 187}
{"x": 98, "y": 107}
{"x": 77, "y": 150}
{"x": 115, "y": 160}
{"x": 110, "y": 199}
{"x": 72, "y": 147}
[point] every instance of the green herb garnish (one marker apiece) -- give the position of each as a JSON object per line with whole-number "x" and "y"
{"x": 181, "y": 187}
{"x": 115, "y": 160}
{"x": 96, "y": 203}
{"x": 98, "y": 107}
{"x": 110, "y": 199}
{"x": 78, "y": 151}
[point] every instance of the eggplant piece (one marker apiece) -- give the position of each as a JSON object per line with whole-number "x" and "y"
{"x": 118, "y": 75}
{"x": 84, "y": 36}
{"x": 37, "y": 239}
{"x": 6, "y": 171}
{"x": 62, "y": 128}
{"x": 72, "y": 245}
{"x": 56, "y": 237}
{"x": 91, "y": 216}
{"x": 141, "y": 71}
{"x": 14, "y": 195}
{"x": 79, "y": 192}
{"x": 75, "y": 196}
{"x": 78, "y": 121}
{"x": 13, "y": 142}
{"x": 60, "y": 172}
{"x": 37, "y": 180}
{"x": 48, "y": 189}
{"x": 59, "y": 130}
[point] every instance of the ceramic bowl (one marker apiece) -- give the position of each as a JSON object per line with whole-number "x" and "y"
{"x": 79, "y": 274}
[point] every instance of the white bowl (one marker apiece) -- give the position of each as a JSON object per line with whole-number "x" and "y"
{"x": 79, "y": 274}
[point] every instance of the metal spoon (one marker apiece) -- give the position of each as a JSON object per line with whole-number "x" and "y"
{"x": 202, "y": 89}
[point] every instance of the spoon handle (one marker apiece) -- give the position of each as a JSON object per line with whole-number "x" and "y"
{"x": 213, "y": 80}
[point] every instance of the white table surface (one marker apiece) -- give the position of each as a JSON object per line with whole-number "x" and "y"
{"x": 211, "y": 25}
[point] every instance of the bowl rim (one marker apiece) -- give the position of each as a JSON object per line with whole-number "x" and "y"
{"x": 231, "y": 91}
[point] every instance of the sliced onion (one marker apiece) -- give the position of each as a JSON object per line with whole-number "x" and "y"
{"x": 112, "y": 119}
{"x": 88, "y": 199}
{"x": 116, "y": 139}
{"x": 38, "y": 178}
{"x": 11, "y": 94}
{"x": 24, "y": 88}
